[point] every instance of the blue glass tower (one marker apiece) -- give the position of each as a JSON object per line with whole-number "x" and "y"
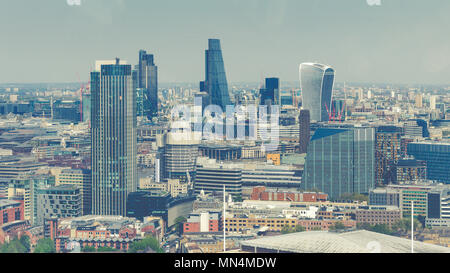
{"x": 216, "y": 80}
{"x": 317, "y": 82}
{"x": 340, "y": 160}
{"x": 437, "y": 158}
{"x": 113, "y": 137}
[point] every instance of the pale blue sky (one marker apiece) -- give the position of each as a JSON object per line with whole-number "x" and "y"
{"x": 401, "y": 41}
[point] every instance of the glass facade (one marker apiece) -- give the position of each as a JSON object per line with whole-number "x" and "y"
{"x": 270, "y": 95}
{"x": 113, "y": 136}
{"x": 148, "y": 81}
{"x": 436, "y": 156}
{"x": 216, "y": 79}
{"x": 340, "y": 161}
{"x": 317, "y": 82}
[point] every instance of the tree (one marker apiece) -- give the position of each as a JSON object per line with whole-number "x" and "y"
{"x": 88, "y": 249}
{"x": 287, "y": 229}
{"x": 106, "y": 249}
{"x": 25, "y": 240}
{"x": 379, "y": 228}
{"x": 45, "y": 245}
{"x": 337, "y": 226}
{"x": 14, "y": 246}
{"x": 145, "y": 245}
{"x": 354, "y": 197}
{"x": 403, "y": 226}
{"x": 179, "y": 224}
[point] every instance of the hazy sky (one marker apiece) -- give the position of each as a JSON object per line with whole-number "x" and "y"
{"x": 400, "y": 41}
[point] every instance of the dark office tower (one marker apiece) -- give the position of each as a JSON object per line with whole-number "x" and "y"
{"x": 387, "y": 152}
{"x": 317, "y": 89}
{"x": 270, "y": 95}
{"x": 216, "y": 79}
{"x": 113, "y": 137}
{"x": 340, "y": 161}
{"x": 305, "y": 130}
{"x": 148, "y": 80}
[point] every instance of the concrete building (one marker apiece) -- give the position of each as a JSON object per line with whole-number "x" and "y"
{"x": 81, "y": 179}
{"x": 59, "y": 202}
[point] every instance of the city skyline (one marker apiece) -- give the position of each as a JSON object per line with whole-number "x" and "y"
{"x": 274, "y": 37}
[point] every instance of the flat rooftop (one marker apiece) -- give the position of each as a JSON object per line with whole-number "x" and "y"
{"x": 360, "y": 241}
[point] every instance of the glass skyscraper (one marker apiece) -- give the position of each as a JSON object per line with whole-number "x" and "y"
{"x": 317, "y": 82}
{"x": 340, "y": 160}
{"x": 216, "y": 80}
{"x": 113, "y": 137}
{"x": 304, "y": 121}
{"x": 270, "y": 95}
{"x": 437, "y": 158}
{"x": 148, "y": 80}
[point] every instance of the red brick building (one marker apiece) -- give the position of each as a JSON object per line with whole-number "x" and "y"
{"x": 261, "y": 193}
{"x": 203, "y": 222}
{"x": 10, "y": 211}
{"x": 310, "y": 225}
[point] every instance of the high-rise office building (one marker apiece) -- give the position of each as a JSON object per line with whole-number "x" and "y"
{"x": 148, "y": 80}
{"x": 437, "y": 158}
{"x": 270, "y": 94}
{"x": 340, "y": 161}
{"x": 387, "y": 152}
{"x": 317, "y": 82}
{"x": 113, "y": 137}
{"x": 305, "y": 130}
{"x": 216, "y": 80}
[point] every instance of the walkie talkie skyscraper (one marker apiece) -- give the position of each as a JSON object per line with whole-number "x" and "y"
{"x": 316, "y": 82}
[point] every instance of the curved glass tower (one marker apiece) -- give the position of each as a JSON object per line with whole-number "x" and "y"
{"x": 316, "y": 82}
{"x": 216, "y": 80}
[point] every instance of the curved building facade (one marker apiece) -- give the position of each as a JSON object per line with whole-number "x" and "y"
{"x": 317, "y": 82}
{"x": 216, "y": 80}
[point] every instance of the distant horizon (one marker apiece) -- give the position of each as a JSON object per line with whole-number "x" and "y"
{"x": 3, "y": 85}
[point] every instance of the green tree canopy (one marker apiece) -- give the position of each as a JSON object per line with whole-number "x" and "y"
{"x": 14, "y": 246}
{"x": 337, "y": 226}
{"x": 45, "y": 245}
{"x": 354, "y": 197}
{"x": 287, "y": 229}
{"x": 145, "y": 245}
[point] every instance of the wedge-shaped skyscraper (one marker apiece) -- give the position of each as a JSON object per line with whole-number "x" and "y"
{"x": 216, "y": 80}
{"x": 113, "y": 133}
{"x": 316, "y": 82}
